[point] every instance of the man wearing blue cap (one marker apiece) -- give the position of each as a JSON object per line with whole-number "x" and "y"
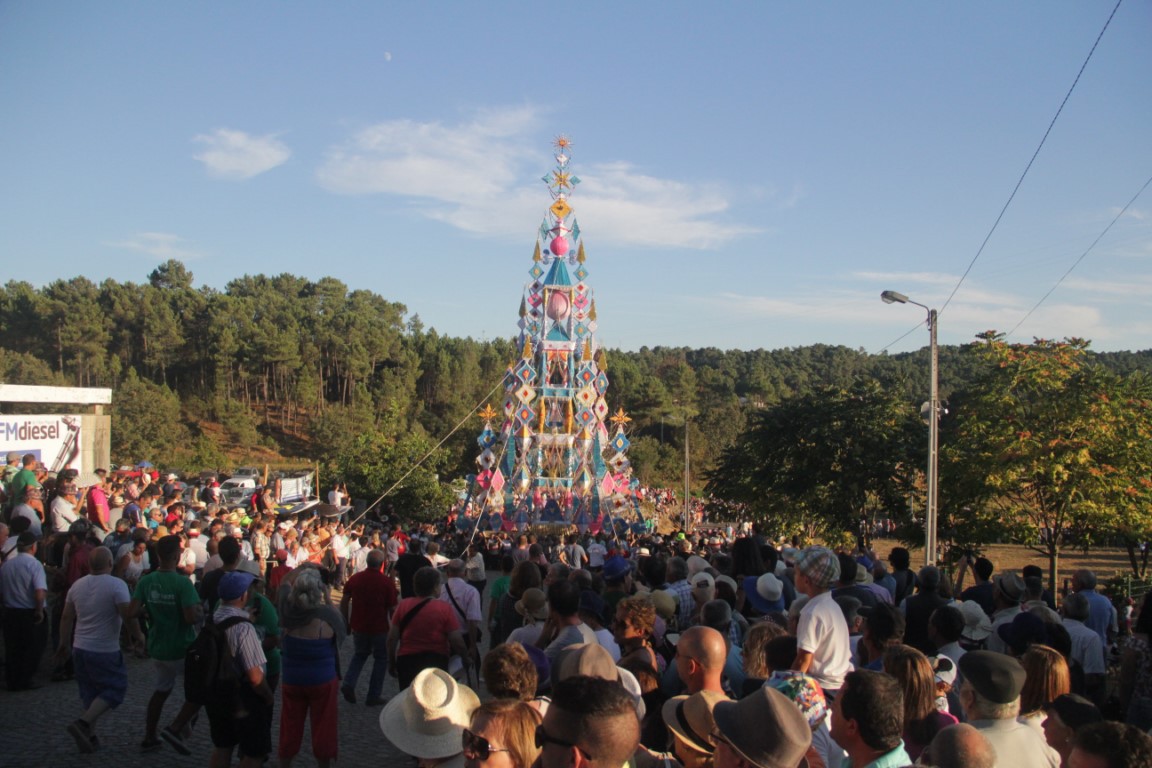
{"x": 251, "y": 729}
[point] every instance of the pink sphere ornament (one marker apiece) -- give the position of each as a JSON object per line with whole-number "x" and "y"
{"x": 558, "y": 306}
{"x": 559, "y": 245}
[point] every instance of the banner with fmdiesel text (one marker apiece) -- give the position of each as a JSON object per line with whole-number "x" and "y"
{"x": 54, "y": 440}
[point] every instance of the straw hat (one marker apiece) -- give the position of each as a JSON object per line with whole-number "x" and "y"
{"x": 533, "y": 603}
{"x": 428, "y": 718}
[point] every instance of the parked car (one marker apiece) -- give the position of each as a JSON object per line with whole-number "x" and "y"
{"x": 237, "y": 489}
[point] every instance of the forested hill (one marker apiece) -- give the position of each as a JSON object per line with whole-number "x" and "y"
{"x": 300, "y": 368}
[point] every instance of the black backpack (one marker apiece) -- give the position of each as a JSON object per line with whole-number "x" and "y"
{"x": 210, "y": 675}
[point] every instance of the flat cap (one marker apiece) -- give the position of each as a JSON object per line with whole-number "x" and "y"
{"x": 995, "y": 676}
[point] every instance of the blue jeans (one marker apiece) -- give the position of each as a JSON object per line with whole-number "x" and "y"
{"x": 366, "y": 645}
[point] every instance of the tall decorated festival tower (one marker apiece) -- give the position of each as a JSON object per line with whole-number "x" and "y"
{"x": 558, "y": 456}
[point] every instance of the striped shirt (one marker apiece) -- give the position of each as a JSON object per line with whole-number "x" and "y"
{"x": 242, "y": 639}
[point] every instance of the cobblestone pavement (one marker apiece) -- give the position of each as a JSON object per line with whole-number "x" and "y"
{"x": 34, "y": 726}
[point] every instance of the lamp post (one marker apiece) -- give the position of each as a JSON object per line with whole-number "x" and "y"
{"x": 930, "y": 517}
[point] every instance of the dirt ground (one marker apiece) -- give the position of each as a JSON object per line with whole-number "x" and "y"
{"x": 1104, "y": 562}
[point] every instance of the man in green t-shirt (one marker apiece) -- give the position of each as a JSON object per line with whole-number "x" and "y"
{"x": 173, "y": 609}
{"x": 23, "y": 478}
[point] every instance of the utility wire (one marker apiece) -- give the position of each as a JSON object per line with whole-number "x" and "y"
{"x": 1077, "y": 262}
{"x": 1020, "y": 181}
{"x": 424, "y": 458}
{"x": 900, "y": 339}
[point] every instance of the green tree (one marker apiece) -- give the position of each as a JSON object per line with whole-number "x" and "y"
{"x": 146, "y": 422}
{"x": 404, "y": 470}
{"x": 827, "y": 461}
{"x": 1047, "y": 448}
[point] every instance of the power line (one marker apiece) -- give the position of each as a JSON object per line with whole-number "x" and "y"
{"x": 1077, "y": 262}
{"x": 900, "y": 339}
{"x": 1020, "y": 181}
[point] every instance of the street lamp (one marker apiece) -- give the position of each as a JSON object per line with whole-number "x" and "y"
{"x": 930, "y": 518}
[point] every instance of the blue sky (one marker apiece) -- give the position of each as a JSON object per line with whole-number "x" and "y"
{"x": 754, "y": 173}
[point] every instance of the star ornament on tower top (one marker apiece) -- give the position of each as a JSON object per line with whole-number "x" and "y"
{"x": 488, "y": 413}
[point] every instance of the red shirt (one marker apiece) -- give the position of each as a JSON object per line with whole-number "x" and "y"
{"x": 373, "y": 595}
{"x": 428, "y": 631}
{"x": 276, "y": 576}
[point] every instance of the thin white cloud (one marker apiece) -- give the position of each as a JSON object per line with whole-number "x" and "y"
{"x": 907, "y": 278}
{"x": 238, "y": 155}
{"x": 159, "y": 245}
{"x": 482, "y": 177}
{"x": 1137, "y": 286}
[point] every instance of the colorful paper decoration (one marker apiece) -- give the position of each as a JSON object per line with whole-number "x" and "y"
{"x": 553, "y": 460}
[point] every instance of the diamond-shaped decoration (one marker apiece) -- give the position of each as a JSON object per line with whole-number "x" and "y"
{"x": 486, "y": 459}
{"x": 581, "y": 330}
{"x": 620, "y": 442}
{"x": 580, "y": 301}
{"x": 586, "y": 397}
{"x": 536, "y": 271}
{"x": 607, "y": 486}
{"x": 581, "y": 273}
{"x": 497, "y": 482}
{"x": 534, "y": 299}
{"x": 526, "y": 394}
{"x": 585, "y": 375}
{"x": 525, "y": 414}
{"x": 560, "y": 209}
{"x": 575, "y": 225}
{"x": 585, "y": 417}
{"x": 601, "y": 409}
{"x": 601, "y": 383}
{"x": 545, "y": 228}
{"x": 525, "y": 372}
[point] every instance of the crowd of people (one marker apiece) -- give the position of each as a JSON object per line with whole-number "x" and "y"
{"x": 557, "y": 648}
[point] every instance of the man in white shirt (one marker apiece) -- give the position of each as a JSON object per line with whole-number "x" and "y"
{"x": 822, "y": 637}
{"x": 96, "y": 606}
{"x": 465, "y": 601}
{"x": 597, "y": 552}
{"x": 23, "y": 589}
{"x": 66, "y": 507}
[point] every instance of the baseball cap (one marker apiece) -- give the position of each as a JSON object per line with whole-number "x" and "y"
{"x": 234, "y": 584}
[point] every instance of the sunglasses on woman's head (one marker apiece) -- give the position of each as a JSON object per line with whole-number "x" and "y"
{"x": 477, "y": 747}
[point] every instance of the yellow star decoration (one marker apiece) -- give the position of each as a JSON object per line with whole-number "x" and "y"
{"x": 620, "y": 419}
{"x": 562, "y": 180}
{"x": 488, "y": 413}
{"x": 562, "y": 142}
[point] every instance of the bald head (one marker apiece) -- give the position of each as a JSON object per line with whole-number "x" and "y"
{"x": 705, "y": 646}
{"x": 100, "y": 560}
{"x": 960, "y": 746}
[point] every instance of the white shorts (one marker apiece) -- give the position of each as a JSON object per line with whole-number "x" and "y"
{"x": 166, "y": 674}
